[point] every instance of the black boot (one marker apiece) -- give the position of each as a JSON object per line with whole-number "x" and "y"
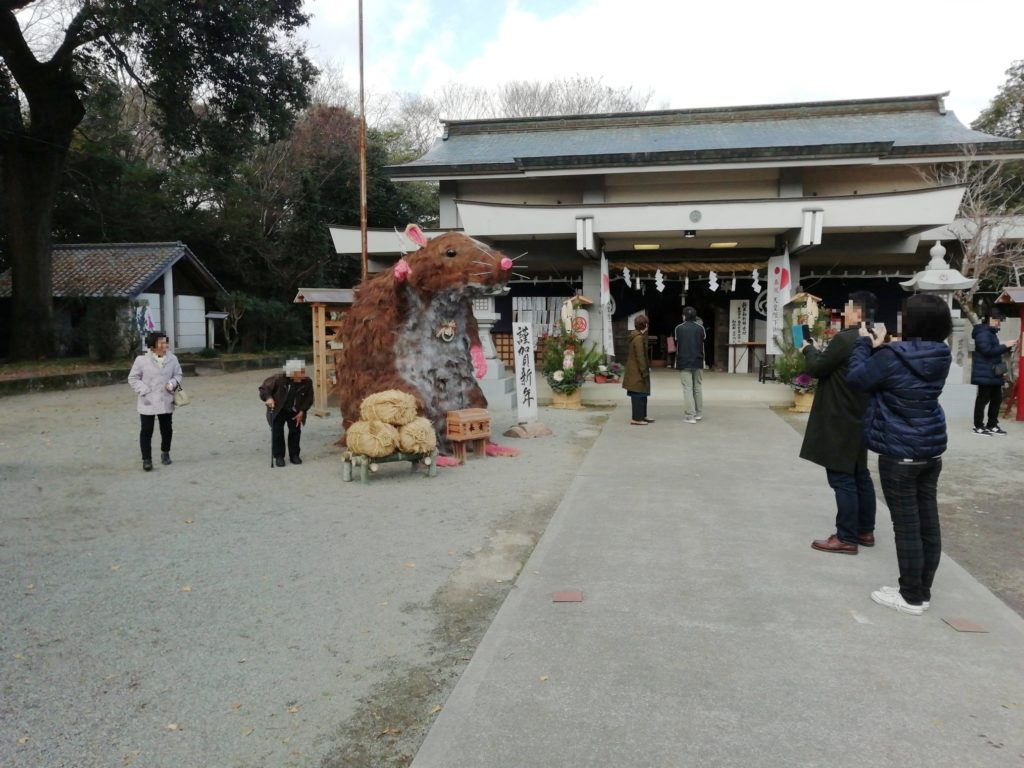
{"x": 147, "y": 464}
{"x": 165, "y": 458}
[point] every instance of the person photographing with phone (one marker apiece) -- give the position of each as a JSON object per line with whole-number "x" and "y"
{"x": 906, "y": 427}
{"x": 987, "y": 371}
{"x": 834, "y": 438}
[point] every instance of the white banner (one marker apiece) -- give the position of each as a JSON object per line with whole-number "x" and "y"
{"x": 779, "y": 292}
{"x": 526, "y": 375}
{"x": 739, "y": 331}
{"x": 608, "y": 338}
{"x": 606, "y": 285}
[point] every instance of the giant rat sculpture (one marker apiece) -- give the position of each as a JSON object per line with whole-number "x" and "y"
{"x": 411, "y": 328}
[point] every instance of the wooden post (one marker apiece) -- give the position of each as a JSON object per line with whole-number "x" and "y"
{"x": 320, "y": 380}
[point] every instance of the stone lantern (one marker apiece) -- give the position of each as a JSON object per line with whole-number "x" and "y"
{"x": 941, "y": 279}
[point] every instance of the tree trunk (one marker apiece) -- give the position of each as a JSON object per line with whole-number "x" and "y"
{"x": 33, "y": 166}
{"x": 31, "y": 175}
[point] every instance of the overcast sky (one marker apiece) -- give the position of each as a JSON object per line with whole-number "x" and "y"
{"x": 691, "y": 54}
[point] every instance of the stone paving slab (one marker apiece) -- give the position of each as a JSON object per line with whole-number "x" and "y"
{"x": 711, "y": 634}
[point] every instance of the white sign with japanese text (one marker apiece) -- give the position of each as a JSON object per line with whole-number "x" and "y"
{"x": 526, "y": 375}
{"x": 778, "y": 295}
{"x": 739, "y": 329}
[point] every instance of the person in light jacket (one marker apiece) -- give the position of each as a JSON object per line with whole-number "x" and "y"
{"x": 154, "y": 377}
{"x": 988, "y": 353}
{"x": 906, "y": 427}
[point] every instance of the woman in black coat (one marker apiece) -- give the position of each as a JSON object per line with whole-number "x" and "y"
{"x": 988, "y": 352}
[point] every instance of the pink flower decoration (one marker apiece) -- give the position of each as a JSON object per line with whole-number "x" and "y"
{"x": 479, "y": 362}
{"x": 402, "y": 270}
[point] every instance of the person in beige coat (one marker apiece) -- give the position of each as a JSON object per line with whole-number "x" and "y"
{"x": 154, "y": 377}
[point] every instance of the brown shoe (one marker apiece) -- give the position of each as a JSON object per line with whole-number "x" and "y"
{"x": 866, "y": 539}
{"x": 833, "y": 544}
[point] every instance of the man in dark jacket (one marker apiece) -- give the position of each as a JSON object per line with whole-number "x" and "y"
{"x": 834, "y": 438}
{"x": 988, "y": 353}
{"x": 689, "y": 337}
{"x": 289, "y": 396}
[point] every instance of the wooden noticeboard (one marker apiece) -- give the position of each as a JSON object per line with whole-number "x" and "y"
{"x": 328, "y": 305}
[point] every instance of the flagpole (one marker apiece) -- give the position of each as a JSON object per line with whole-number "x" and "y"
{"x": 362, "y": 157}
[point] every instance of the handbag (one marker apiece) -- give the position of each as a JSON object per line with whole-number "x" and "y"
{"x": 1000, "y": 369}
{"x": 181, "y": 397}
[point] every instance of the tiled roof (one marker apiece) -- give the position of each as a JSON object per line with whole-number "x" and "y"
{"x": 115, "y": 270}
{"x": 899, "y": 126}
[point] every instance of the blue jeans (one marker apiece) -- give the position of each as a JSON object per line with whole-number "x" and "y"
{"x": 855, "y": 503}
{"x": 911, "y": 492}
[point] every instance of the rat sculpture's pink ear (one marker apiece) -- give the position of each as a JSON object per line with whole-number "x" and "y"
{"x": 414, "y": 233}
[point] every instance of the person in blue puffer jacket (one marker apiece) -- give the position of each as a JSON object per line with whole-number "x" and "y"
{"x": 906, "y": 427}
{"x": 988, "y": 353}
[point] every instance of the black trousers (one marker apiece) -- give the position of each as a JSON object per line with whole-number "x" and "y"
{"x": 146, "y": 434}
{"x": 277, "y": 435}
{"x": 992, "y": 396}
{"x": 911, "y": 493}
{"x": 639, "y": 401}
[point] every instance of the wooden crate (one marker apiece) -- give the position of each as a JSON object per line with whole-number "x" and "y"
{"x": 469, "y": 426}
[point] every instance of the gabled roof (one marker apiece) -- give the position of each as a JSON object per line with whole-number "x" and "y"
{"x": 115, "y": 270}
{"x": 324, "y": 296}
{"x": 913, "y": 126}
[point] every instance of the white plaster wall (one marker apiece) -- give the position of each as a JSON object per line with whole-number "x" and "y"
{"x": 190, "y": 326}
{"x": 863, "y": 180}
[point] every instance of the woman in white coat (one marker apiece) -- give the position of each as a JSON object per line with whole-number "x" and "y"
{"x": 154, "y": 377}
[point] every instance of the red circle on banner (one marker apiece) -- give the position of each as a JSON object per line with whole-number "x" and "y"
{"x": 579, "y": 324}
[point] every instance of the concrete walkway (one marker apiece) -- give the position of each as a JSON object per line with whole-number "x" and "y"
{"x": 711, "y": 634}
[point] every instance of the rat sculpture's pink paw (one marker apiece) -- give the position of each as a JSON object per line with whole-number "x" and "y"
{"x": 479, "y": 361}
{"x": 493, "y": 449}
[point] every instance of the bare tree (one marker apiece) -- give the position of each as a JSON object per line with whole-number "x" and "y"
{"x": 416, "y": 118}
{"x": 988, "y": 227}
{"x": 332, "y": 90}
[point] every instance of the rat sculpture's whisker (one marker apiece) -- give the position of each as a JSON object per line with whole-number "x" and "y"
{"x": 401, "y": 242}
{"x": 517, "y": 258}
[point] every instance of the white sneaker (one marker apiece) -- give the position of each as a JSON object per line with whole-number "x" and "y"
{"x": 895, "y": 601}
{"x": 926, "y": 604}
{"x": 698, "y": 418}
{"x": 689, "y": 420}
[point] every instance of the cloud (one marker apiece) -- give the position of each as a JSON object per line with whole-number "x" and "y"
{"x": 695, "y": 55}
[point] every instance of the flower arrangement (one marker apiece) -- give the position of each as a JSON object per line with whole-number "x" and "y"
{"x": 611, "y": 372}
{"x": 565, "y": 362}
{"x": 804, "y": 382}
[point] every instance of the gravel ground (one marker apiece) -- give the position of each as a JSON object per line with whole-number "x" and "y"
{"x": 221, "y": 613}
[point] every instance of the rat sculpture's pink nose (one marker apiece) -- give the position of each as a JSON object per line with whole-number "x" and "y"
{"x": 506, "y": 263}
